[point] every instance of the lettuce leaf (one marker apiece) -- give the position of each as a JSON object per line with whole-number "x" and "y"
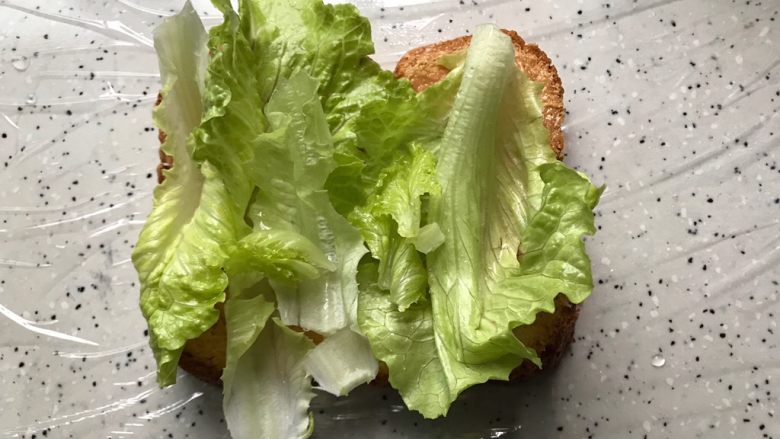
{"x": 383, "y": 132}
{"x": 331, "y": 44}
{"x": 292, "y": 163}
{"x": 406, "y": 342}
{"x": 512, "y": 218}
{"x": 300, "y": 85}
{"x": 187, "y": 246}
{"x": 266, "y": 388}
{"x": 328, "y": 303}
{"x": 484, "y": 202}
{"x": 180, "y": 42}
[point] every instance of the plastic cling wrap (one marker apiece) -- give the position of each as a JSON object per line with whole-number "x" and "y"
{"x": 672, "y": 104}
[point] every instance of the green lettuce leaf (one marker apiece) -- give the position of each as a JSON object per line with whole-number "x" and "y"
{"x": 331, "y": 44}
{"x": 189, "y": 244}
{"x": 483, "y": 206}
{"x": 266, "y": 388}
{"x": 553, "y": 257}
{"x": 180, "y": 42}
{"x": 512, "y": 219}
{"x": 427, "y": 374}
{"x": 401, "y": 186}
{"x": 384, "y": 131}
{"x": 198, "y": 217}
{"x": 292, "y": 163}
{"x": 406, "y": 342}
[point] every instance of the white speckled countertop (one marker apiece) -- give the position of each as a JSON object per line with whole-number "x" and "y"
{"x": 672, "y": 104}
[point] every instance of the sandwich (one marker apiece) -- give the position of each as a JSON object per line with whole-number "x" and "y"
{"x": 322, "y": 222}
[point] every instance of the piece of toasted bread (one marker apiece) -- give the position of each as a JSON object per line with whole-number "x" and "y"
{"x": 550, "y": 334}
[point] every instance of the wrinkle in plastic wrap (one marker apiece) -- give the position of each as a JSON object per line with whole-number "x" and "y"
{"x": 673, "y": 104}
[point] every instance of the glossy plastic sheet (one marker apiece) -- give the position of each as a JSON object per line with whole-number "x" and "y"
{"x": 672, "y": 104}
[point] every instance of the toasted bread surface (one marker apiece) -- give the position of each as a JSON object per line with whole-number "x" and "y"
{"x": 550, "y": 334}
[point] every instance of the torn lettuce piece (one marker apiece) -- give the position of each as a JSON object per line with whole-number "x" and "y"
{"x": 381, "y": 133}
{"x": 296, "y": 155}
{"x": 512, "y": 239}
{"x": 429, "y": 238}
{"x": 180, "y": 306}
{"x": 331, "y": 44}
{"x": 401, "y": 186}
{"x": 401, "y": 268}
{"x": 188, "y": 244}
{"x": 342, "y": 362}
{"x": 267, "y": 390}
